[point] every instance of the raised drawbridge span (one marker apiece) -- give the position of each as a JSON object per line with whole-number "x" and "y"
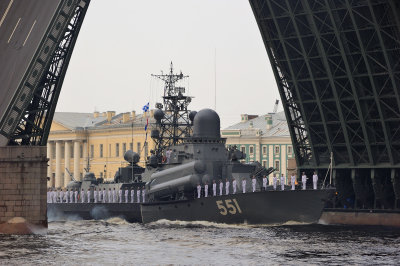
{"x": 337, "y": 66}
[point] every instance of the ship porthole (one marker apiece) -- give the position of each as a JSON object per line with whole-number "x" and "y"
{"x": 202, "y": 203}
{"x": 189, "y": 205}
{"x": 176, "y": 206}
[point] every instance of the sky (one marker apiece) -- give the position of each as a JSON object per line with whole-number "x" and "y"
{"x": 213, "y": 41}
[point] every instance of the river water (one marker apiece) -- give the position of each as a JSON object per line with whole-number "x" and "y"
{"x": 118, "y": 242}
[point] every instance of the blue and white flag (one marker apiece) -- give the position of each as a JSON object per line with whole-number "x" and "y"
{"x": 146, "y": 107}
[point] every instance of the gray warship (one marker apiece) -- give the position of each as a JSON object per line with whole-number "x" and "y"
{"x": 190, "y": 152}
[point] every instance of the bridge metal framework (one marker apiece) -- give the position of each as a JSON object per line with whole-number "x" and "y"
{"x": 337, "y": 67}
{"x": 28, "y": 118}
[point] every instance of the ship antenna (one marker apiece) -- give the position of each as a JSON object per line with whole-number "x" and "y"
{"x": 175, "y": 125}
{"x": 215, "y": 79}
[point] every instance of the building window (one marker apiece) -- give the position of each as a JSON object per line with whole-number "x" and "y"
{"x": 81, "y": 151}
{"x": 277, "y": 165}
{"x": 251, "y": 149}
{"x": 243, "y": 149}
{"x": 116, "y": 149}
{"x": 91, "y": 151}
{"x": 264, "y": 163}
{"x": 101, "y": 174}
{"x": 276, "y": 149}
{"x": 289, "y": 149}
{"x": 138, "y": 148}
{"x": 101, "y": 150}
{"x": 131, "y": 146}
{"x": 123, "y": 148}
{"x": 264, "y": 149}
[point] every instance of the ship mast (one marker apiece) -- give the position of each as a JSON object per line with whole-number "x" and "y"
{"x": 175, "y": 125}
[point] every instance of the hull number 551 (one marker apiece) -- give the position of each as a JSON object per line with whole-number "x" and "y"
{"x": 231, "y": 206}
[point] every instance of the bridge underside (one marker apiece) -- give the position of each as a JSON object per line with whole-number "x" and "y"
{"x": 337, "y": 66}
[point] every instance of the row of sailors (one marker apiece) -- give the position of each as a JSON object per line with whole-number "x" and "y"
{"x": 253, "y": 184}
{"x": 99, "y": 196}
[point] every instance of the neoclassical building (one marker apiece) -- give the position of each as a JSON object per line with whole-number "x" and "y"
{"x": 95, "y": 142}
{"x": 265, "y": 139}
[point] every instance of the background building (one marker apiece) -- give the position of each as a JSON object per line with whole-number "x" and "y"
{"x": 265, "y": 139}
{"x": 98, "y": 141}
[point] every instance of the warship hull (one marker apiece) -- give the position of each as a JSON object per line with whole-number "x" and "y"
{"x": 266, "y": 207}
{"x": 94, "y": 211}
{"x": 270, "y": 207}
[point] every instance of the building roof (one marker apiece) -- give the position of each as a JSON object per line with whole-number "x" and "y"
{"x": 73, "y": 120}
{"x": 259, "y": 124}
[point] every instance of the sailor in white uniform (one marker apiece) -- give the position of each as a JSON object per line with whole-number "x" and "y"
{"x": 227, "y": 186}
{"x": 214, "y": 188}
{"x": 144, "y": 194}
{"x": 104, "y": 195}
{"x": 132, "y": 195}
{"x": 234, "y": 185}
{"x": 76, "y": 195}
{"x": 253, "y": 183}
{"x": 114, "y": 196}
{"x": 315, "y": 180}
{"x": 66, "y": 196}
{"x": 95, "y": 195}
{"x": 283, "y": 179}
{"x": 126, "y": 195}
{"x": 55, "y": 198}
{"x": 138, "y": 195}
{"x": 48, "y": 195}
{"x": 82, "y": 196}
{"x": 198, "y": 191}
{"x": 120, "y": 195}
{"x": 99, "y": 195}
{"x": 109, "y": 198}
{"x": 221, "y": 186}
{"x": 61, "y": 196}
{"x": 88, "y": 195}
{"x": 274, "y": 181}
{"x": 304, "y": 180}
{"x": 265, "y": 183}
{"x": 206, "y": 190}
{"x": 244, "y": 185}
{"x": 71, "y": 196}
{"x": 293, "y": 181}
{"x": 52, "y": 196}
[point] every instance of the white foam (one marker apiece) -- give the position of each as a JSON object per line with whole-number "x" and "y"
{"x": 117, "y": 220}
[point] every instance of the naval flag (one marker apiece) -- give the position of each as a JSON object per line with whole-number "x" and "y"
{"x": 146, "y": 107}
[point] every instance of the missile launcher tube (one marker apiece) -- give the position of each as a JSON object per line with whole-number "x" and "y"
{"x": 185, "y": 183}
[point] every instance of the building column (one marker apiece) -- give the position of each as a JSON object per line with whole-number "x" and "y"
{"x": 59, "y": 182}
{"x": 67, "y": 159}
{"x": 49, "y": 156}
{"x": 76, "y": 160}
{"x": 85, "y": 158}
